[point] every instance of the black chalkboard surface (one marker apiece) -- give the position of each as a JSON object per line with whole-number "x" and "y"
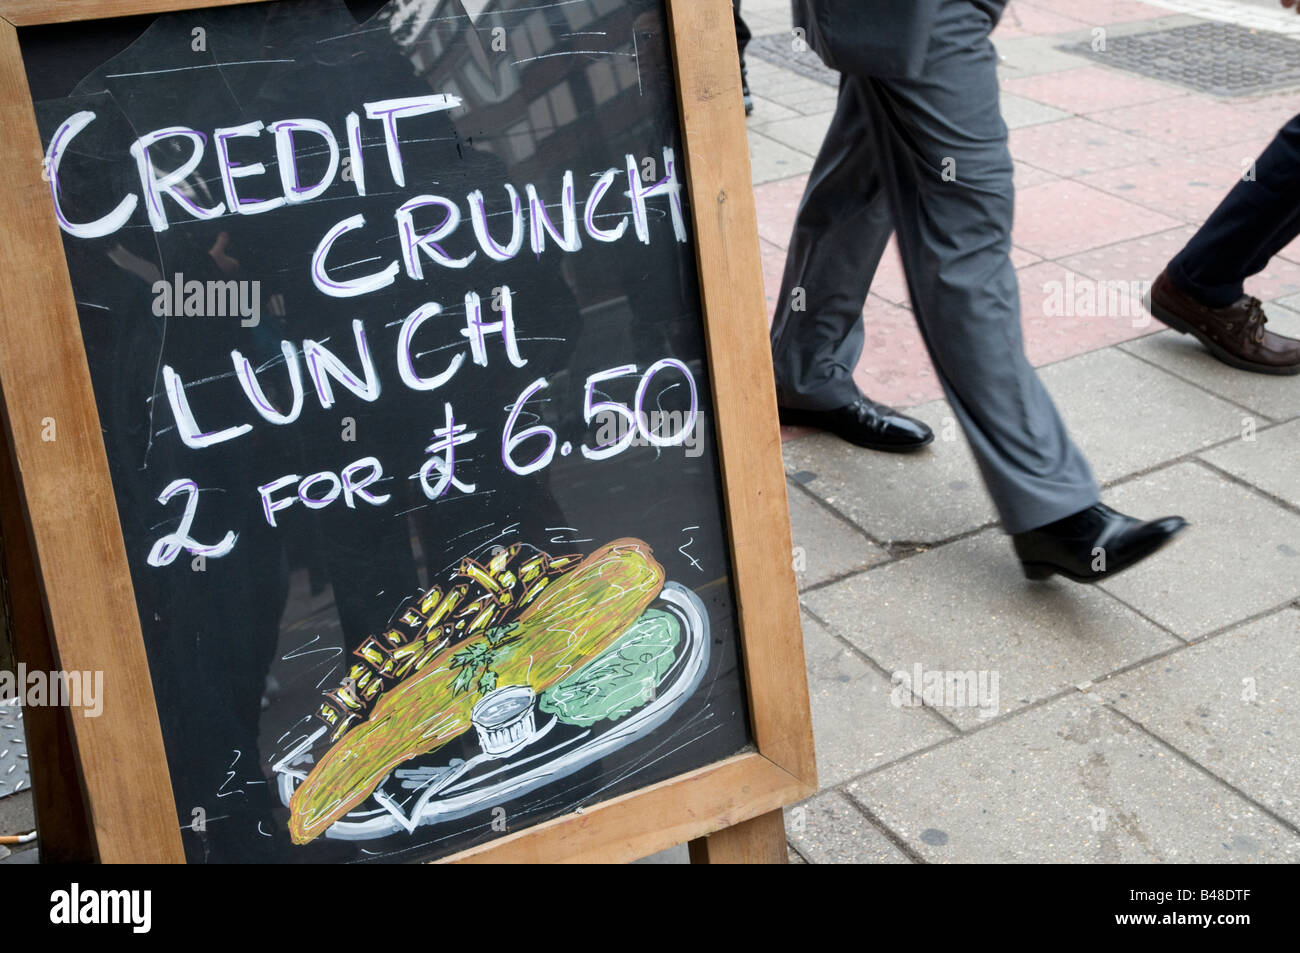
{"x": 396, "y": 340}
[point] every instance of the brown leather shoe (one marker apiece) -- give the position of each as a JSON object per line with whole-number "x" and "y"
{"x": 1235, "y": 334}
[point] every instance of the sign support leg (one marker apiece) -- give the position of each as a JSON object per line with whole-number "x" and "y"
{"x": 757, "y": 841}
{"x": 59, "y": 799}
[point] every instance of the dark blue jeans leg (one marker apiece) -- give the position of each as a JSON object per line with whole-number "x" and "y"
{"x": 1255, "y": 221}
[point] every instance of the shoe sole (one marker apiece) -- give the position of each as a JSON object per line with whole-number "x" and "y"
{"x": 1041, "y": 571}
{"x": 1227, "y": 357}
{"x": 795, "y": 419}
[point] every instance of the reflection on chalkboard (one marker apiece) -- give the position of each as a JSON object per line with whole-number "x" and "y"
{"x": 396, "y": 339}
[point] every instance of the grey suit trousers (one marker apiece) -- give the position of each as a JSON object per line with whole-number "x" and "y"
{"x": 928, "y": 158}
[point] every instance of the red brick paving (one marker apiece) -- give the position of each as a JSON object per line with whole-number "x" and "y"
{"x": 1023, "y": 19}
{"x": 1089, "y": 89}
{"x": 1064, "y": 312}
{"x": 1096, "y": 12}
{"x": 1187, "y": 187}
{"x": 1195, "y": 123}
{"x": 1077, "y": 146}
{"x": 1067, "y": 217}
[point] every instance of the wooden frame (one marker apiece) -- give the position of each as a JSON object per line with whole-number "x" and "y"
{"x": 76, "y": 541}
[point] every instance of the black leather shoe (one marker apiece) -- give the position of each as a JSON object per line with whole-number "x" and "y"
{"x": 1092, "y": 545}
{"x": 865, "y": 423}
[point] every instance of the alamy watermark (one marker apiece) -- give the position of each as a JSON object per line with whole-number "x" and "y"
{"x": 940, "y": 688}
{"x": 84, "y": 690}
{"x": 209, "y": 299}
{"x": 1080, "y": 297}
{"x": 86, "y": 905}
{"x": 655, "y": 428}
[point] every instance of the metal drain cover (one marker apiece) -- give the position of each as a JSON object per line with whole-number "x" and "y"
{"x": 13, "y": 750}
{"x": 778, "y": 48}
{"x": 1219, "y": 58}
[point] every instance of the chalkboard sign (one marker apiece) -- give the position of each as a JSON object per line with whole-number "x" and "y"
{"x": 398, "y": 325}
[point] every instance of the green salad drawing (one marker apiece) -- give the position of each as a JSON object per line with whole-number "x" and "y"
{"x": 622, "y": 678}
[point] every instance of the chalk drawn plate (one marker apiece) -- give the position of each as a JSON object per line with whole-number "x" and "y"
{"x": 421, "y": 793}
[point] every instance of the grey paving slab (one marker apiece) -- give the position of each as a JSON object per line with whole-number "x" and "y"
{"x": 1273, "y": 396}
{"x": 1270, "y": 461}
{"x": 15, "y": 775}
{"x": 769, "y": 12}
{"x": 778, "y": 9}
{"x": 769, "y": 110}
{"x": 1158, "y": 22}
{"x": 923, "y": 497}
{"x": 761, "y": 23}
{"x": 1230, "y": 704}
{"x": 681, "y": 854}
{"x": 1019, "y": 112}
{"x": 1283, "y": 313}
{"x": 1128, "y": 416}
{"x": 673, "y": 855}
{"x": 17, "y": 813}
{"x": 1070, "y": 782}
{"x": 783, "y": 86}
{"x": 856, "y": 725}
{"x": 789, "y": 88}
{"x": 802, "y": 133}
{"x": 785, "y": 50}
{"x": 1032, "y": 55}
{"x": 771, "y": 161}
{"x": 1240, "y": 557}
{"x": 829, "y": 829}
{"x": 776, "y": 82}
{"x": 814, "y": 103}
{"x": 826, "y": 547}
{"x": 966, "y": 607}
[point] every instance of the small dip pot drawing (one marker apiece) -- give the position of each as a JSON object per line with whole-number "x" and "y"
{"x": 504, "y": 718}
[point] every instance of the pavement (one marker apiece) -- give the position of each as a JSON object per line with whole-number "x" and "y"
{"x": 1149, "y": 719}
{"x": 17, "y": 815}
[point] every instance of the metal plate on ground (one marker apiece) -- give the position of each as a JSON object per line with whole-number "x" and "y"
{"x": 13, "y": 750}
{"x": 1219, "y": 58}
{"x": 778, "y": 48}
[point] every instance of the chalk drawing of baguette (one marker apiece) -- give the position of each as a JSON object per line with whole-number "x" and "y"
{"x": 580, "y": 611}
